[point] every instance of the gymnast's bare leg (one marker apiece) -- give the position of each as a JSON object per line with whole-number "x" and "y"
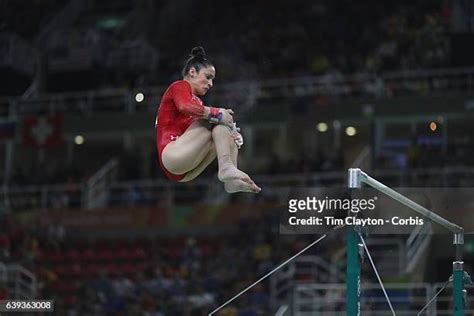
{"x": 193, "y": 151}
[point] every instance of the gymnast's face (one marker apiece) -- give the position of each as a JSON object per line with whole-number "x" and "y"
{"x": 201, "y": 81}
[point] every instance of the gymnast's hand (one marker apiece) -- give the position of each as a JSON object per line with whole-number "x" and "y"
{"x": 227, "y": 118}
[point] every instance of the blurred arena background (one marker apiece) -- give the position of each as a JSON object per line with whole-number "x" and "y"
{"x": 89, "y": 220}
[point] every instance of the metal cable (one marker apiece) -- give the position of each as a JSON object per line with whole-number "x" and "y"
{"x": 434, "y": 297}
{"x": 377, "y": 274}
{"x": 277, "y": 268}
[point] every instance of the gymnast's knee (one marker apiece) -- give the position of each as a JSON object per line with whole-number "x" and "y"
{"x": 220, "y": 129}
{"x": 174, "y": 162}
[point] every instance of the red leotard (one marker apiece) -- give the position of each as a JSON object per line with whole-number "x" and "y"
{"x": 179, "y": 108}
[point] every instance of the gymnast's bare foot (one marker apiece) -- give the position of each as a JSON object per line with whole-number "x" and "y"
{"x": 230, "y": 172}
{"x": 237, "y": 185}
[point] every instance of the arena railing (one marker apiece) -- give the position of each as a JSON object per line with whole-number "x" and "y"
{"x": 311, "y": 267}
{"x": 22, "y": 282}
{"x": 443, "y": 302}
{"x": 329, "y": 299}
{"x": 97, "y": 187}
{"x": 419, "y": 82}
{"x": 148, "y": 192}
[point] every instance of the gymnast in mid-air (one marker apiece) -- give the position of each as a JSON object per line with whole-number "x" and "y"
{"x": 190, "y": 135}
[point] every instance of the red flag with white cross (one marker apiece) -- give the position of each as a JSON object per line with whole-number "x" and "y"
{"x": 42, "y": 131}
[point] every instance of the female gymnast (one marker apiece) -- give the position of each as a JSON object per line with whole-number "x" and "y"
{"x": 189, "y": 135}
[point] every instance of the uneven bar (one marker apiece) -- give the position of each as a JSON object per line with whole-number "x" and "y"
{"x": 357, "y": 176}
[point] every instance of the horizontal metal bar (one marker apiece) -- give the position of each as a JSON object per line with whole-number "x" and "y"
{"x": 409, "y": 203}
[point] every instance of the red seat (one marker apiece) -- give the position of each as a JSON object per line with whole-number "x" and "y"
{"x": 89, "y": 254}
{"x": 141, "y": 267}
{"x": 70, "y": 300}
{"x": 76, "y": 270}
{"x": 42, "y": 255}
{"x": 132, "y": 269}
{"x": 91, "y": 270}
{"x": 173, "y": 252}
{"x": 123, "y": 253}
{"x": 56, "y": 256}
{"x": 105, "y": 254}
{"x": 113, "y": 269}
{"x": 129, "y": 269}
{"x": 207, "y": 250}
{"x": 60, "y": 270}
{"x": 72, "y": 255}
{"x": 65, "y": 287}
{"x": 139, "y": 253}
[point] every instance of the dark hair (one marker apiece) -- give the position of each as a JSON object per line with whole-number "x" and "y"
{"x": 197, "y": 59}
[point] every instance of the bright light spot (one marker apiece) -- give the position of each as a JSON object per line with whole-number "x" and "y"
{"x": 139, "y": 97}
{"x": 322, "y": 127}
{"x": 79, "y": 140}
{"x": 351, "y": 131}
{"x": 433, "y": 126}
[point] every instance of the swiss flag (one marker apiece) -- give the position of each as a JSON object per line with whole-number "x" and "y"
{"x": 42, "y": 131}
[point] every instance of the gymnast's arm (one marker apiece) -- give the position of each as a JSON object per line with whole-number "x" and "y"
{"x": 186, "y": 103}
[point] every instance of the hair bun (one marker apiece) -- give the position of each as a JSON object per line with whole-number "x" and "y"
{"x": 198, "y": 52}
